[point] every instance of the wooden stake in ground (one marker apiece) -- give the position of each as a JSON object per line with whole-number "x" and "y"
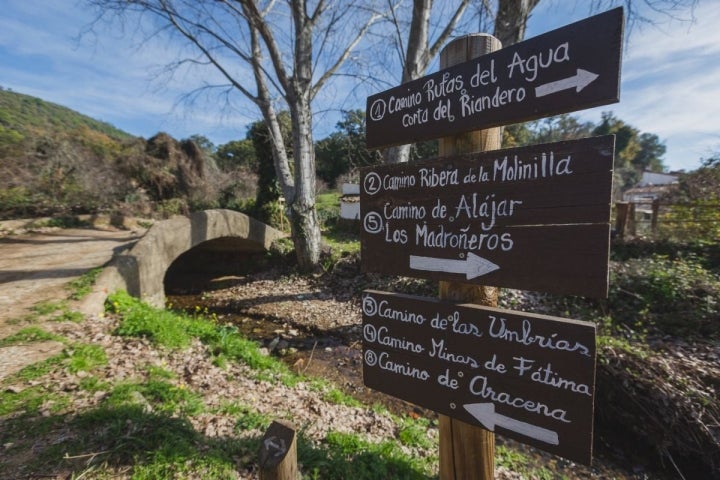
{"x": 467, "y": 452}
{"x": 278, "y": 452}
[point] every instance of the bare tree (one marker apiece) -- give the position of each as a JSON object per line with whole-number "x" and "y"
{"x": 420, "y": 47}
{"x": 510, "y": 17}
{"x": 290, "y": 48}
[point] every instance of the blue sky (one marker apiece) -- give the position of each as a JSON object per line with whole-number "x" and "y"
{"x": 670, "y": 76}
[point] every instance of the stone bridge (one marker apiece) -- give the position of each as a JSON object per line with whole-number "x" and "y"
{"x": 141, "y": 271}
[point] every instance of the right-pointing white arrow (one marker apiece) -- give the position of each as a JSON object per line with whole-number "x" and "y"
{"x": 485, "y": 414}
{"x": 473, "y": 265}
{"x": 580, "y": 80}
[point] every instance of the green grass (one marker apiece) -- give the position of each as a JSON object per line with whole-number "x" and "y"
{"x": 175, "y": 330}
{"x": 27, "y": 401}
{"x": 332, "y": 394}
{"x": 160, "y": 396}
{"x": 58, "y": 311}
{"x": 46, "y": 308}
{"x": 30, "y": 335}
{"x": 85, "y": 358}
{"x": 519, "y": 463}
{"x": 83, "y": 285}
{"x": 163, "y": 327}
{"x": 31, "y": 396}
{"x": 343, "y": 456}
{"x": 142, "y": 428}
{"x": 414, "y": 432}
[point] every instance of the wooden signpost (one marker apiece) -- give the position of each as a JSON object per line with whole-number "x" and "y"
{"x": 568, "y": 69}
{"x": 532, "y": 218}
{"x": 535, "y": 218}
{"x": 530, "y": 376}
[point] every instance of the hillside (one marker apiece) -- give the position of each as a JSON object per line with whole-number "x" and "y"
{"x": 23, "y": 115}
{"x": 55, "y": 161}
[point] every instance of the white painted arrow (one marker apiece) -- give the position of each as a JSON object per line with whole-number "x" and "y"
{"x": 473, "y": 265}
{"x": 580, "y": 80}
{"x": 485, "y": 414}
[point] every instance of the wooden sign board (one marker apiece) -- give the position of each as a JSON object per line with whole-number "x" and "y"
{"x": 534, "y": 218}
{"x": 528, "y": 377}
{"x": 568, "y": 69}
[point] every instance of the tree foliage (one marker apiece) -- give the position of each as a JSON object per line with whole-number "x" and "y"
{"x": 344, "y": 150}
{"x": 235, "y": 154}
{"x": 552, "y": 129}
{"x": 634, "y": 152}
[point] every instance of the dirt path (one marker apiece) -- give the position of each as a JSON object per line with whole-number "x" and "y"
{"x": 35, "y": 268}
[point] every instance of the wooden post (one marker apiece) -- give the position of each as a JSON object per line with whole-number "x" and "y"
{"x": 467, "y": 452}
{"x": 278, "y": 452}
{"x": 621, "y": 217}
{"x": 655, "y": 213}
{"x": 631, "y": 222}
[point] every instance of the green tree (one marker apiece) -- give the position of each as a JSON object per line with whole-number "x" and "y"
{"x": 552, "y": 129}
{"x": 235, "y": 154}
{"x": 344, "y": 149}
{"x": 649, "y": 157}
{"x": 634, "y": 152}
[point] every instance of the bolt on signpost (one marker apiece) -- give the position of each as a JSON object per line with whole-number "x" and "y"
{"x": 533, "y": 218}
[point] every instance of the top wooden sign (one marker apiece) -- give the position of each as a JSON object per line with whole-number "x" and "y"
{"x": 565, "y": 70}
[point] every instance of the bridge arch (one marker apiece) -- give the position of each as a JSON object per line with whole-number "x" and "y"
{"x": 141, "y": 270}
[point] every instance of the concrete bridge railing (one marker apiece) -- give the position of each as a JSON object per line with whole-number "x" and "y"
{"x": 141, "y": 270}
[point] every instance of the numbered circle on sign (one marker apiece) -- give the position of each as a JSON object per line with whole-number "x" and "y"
{"x": 372, "y": 183}
{"x": 373, "y": 223}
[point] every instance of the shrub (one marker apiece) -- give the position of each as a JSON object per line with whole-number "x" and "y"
{"x": 676, "y": 296}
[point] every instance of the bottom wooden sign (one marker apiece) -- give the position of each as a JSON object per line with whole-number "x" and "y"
{"x": 528, "y": 377}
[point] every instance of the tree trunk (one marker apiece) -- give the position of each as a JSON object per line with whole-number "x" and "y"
{"x": 510, "y": 20}
{"x": 418, "y": 55}
{"x": 414, "y": 66}
{"x": 303, "y": 216}
{"x": 397, "y": 154}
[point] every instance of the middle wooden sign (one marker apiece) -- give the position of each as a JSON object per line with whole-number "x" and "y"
{"x": 534, "y": 218}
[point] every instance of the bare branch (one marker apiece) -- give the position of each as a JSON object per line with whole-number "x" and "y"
{"x": 280, "y": 157}
{"x": 343, "y": 56}
{"x": 447, "y": 32}
{"x": 175, "y": 21}
{"x": 396, "y": 24}
{"x": 256, "y": 20}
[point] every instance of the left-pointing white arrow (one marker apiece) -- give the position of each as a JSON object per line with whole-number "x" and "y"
{"x": 485, "y": 414}
{"x": 473, "y": 265}
{"x": 580, "y": 80}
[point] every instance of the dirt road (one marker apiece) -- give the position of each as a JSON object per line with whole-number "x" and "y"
{"x": 36, "y": 267}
